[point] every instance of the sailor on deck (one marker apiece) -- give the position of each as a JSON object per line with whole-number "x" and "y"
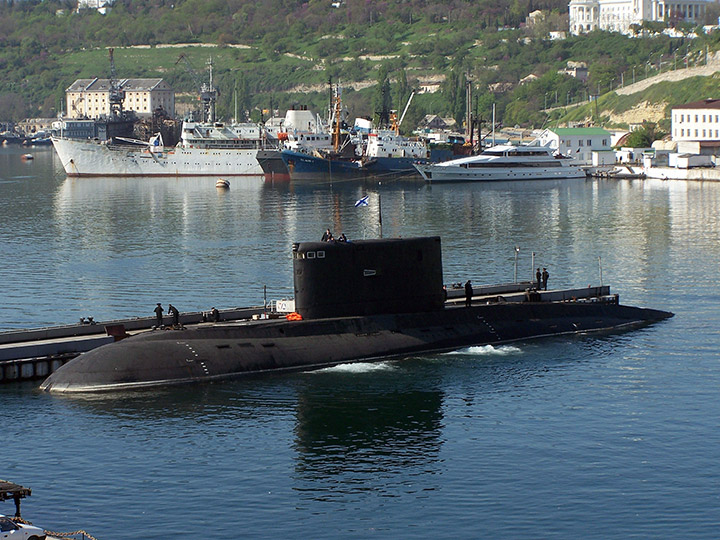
{"x": 159, "y": 315}
{"x": 175, "y": 315}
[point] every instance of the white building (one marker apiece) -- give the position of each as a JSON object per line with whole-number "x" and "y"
{"x": 696, "y": 126}
{"x": 618, "y": 15}
{"x": 103, "y": 6}
{"x": 579, "y": 143}
{"x": 89, "y": 98}
{"x": 697, "y": 121}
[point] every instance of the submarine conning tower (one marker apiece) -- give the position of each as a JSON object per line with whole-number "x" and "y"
{"x": 368, "y": 277}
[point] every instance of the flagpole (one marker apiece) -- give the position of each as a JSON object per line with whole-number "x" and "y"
{"x": 380, "y": 208}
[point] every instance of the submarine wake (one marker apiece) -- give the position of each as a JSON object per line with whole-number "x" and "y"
{"x": 487, "y": 350}
{"x": 358, "y": 368}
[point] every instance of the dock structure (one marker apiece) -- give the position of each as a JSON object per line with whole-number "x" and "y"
{"x": 36, "y": 353}
{"x": 16, "y": 492}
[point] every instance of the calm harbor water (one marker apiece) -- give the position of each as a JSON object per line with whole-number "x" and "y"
{"x": 601, "y": 436}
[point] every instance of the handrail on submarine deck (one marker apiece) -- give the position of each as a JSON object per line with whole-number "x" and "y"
{"x": 600, "y": 294}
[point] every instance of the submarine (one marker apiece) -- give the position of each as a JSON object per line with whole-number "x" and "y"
{"x": 354, "y": 301}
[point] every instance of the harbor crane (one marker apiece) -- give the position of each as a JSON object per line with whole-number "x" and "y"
{"x": 117, "y": 94}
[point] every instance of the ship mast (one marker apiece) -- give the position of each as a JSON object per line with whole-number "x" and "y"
{"x": 336, "y": 126}
{"x": 208, "y": 93}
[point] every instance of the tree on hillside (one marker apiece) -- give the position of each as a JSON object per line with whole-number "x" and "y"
{"x": 453, "y": 90}
{"x": 645, "y": 136}
{"x": 13, "y": 107}
{"x": 382, "y": 99}
{"x": 401, "y": 92}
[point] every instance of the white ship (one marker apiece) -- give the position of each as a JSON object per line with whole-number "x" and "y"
{"x": 501, "y": 163}
{"x": 205, "y": 149}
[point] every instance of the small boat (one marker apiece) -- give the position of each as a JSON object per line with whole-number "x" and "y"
{"x": 27, "y": 157}
{"x": 503, "y": 162}
{"x": 222, "y": 183}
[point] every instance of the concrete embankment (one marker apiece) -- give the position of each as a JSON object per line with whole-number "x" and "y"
{"x": 672, "y": 173}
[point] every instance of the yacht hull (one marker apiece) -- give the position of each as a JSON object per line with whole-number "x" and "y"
{"x": 435, "y": 174}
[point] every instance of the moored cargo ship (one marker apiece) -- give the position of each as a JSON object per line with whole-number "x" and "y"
{"x": 205, "y": 149}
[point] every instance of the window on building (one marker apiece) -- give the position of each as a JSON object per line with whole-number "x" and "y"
{"x": 703, "y": 133}
{"x": 589, "y": 142}
{"x": 703, "y": 118}
{"x": 696, "y": 117}
{"x": 682, "y": 132}
{"x": 580, "y": 143}
{"x": 696, "y": 132}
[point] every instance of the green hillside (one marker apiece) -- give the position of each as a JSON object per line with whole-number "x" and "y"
{"x": 273, "y": 54}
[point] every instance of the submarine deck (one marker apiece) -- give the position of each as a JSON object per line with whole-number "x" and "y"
{"x": 36, "y": 353}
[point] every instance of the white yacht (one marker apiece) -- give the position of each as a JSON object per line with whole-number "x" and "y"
{"x": 501, "y": 163}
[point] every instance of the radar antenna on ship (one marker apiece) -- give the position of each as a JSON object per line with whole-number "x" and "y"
{"x": 208, "y": 92}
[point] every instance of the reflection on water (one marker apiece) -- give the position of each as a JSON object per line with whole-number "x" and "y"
{"x": 363, "y": 420}
{"x": 539, "y": 438}
{"x": 113, "y": 247}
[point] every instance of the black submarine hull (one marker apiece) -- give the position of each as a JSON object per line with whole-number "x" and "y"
{"x": 224, "y": 351}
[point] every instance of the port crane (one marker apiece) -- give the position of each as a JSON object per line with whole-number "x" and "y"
{"x": 117, "y": 94}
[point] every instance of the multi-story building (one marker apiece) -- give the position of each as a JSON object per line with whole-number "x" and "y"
{"x": 579, "y": 143}
{"x": 619, "y": 15}
{"x": 89, "y": 98}
{"x": 696, "y": 121}
{"x": 695, "y": 127}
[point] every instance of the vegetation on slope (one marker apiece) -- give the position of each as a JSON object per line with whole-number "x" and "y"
{"x": 272, "y": 54}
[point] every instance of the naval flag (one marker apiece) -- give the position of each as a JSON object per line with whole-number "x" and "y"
{"x": 362, "y": 202}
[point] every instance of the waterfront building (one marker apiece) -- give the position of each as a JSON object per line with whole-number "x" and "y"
{"x": 620, "y": 15}
{"x": 580, "y": 143}
{"x": 695, "y": 127}
{"x": 90, "y": 98}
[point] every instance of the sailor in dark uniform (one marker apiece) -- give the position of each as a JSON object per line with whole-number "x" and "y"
{"x": 159, "y": 315}
{"x": 327, "y": 237}
{"x": 468, "y": 293}
{"x": 215, "y": 315}
{"x": 538, "y": 279}
{"x": 545, "y": 276}
{"x": 172, "y": 310}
